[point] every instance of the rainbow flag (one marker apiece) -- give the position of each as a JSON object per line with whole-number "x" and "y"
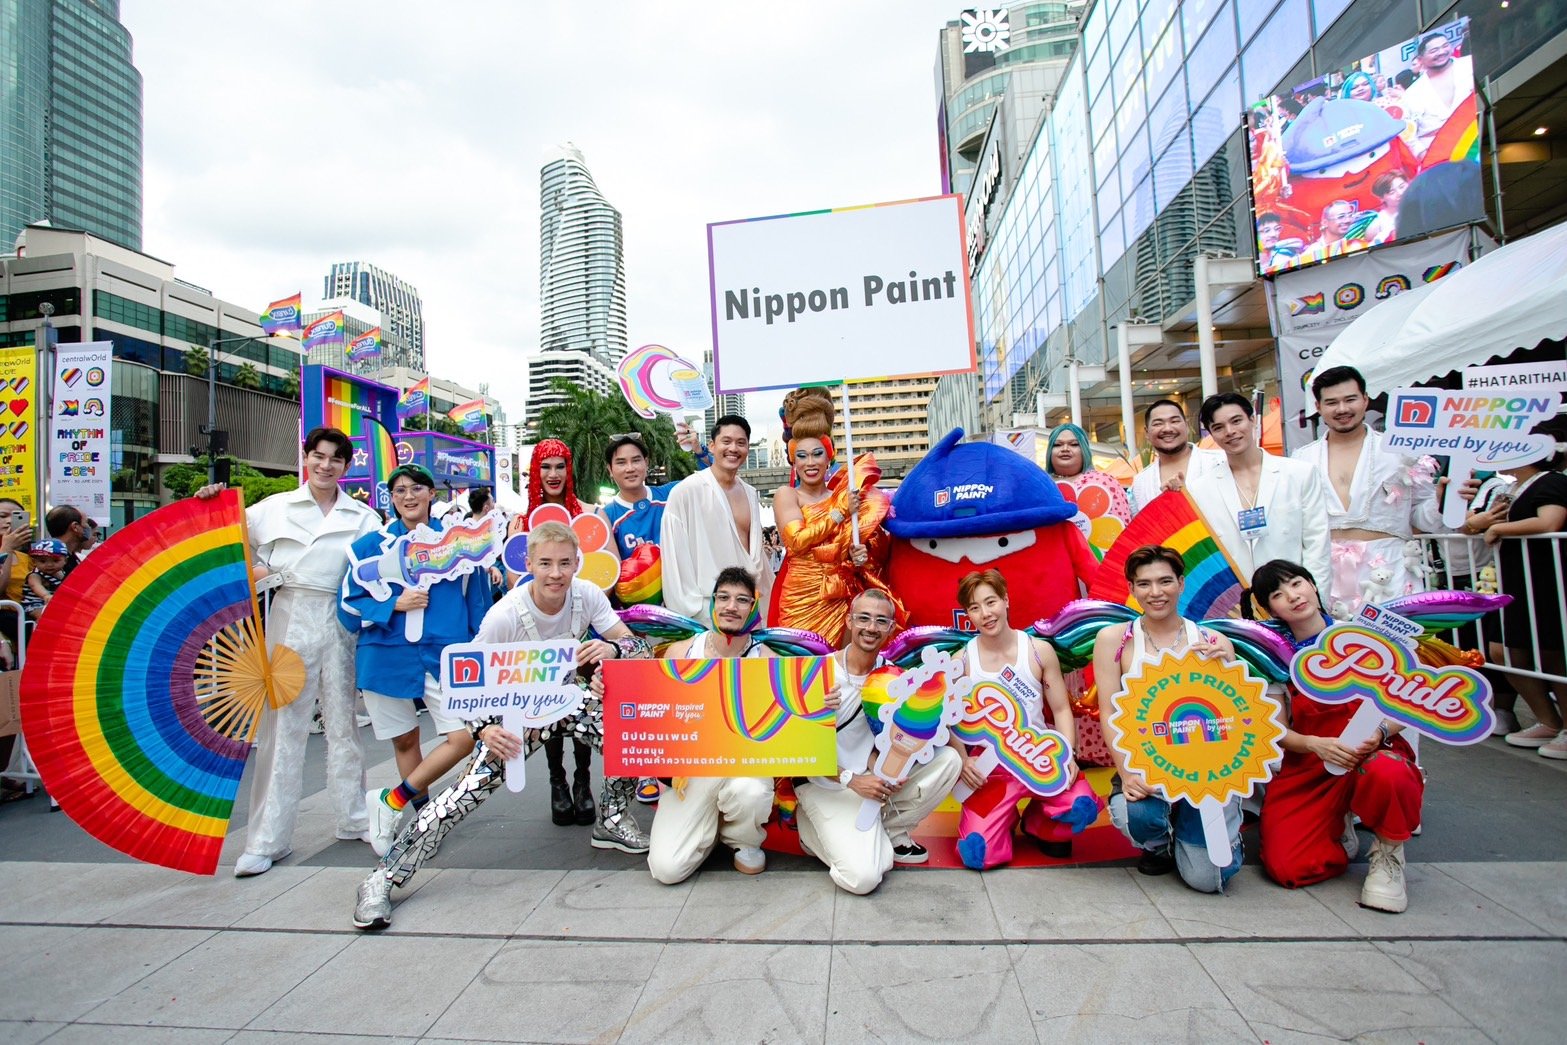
{"x": 1213, "y": 583}
{"x": 282, "y": 316}
{"x": 470, "y": 416}
{"x": 366, "y": 346}
{"x": 380, "y": 460}
{"x": 414, "y": 401}
{"x": 328, "y": 330}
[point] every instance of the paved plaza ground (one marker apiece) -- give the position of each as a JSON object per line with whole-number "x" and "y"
{"x": 520, "y": 932}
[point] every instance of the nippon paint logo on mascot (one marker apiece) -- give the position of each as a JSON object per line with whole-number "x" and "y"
{"x": 964, "y": 492}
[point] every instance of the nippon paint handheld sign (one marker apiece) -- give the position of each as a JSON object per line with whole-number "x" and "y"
{"x": 1475, "y": 428}
{"x": 526, "y": 684}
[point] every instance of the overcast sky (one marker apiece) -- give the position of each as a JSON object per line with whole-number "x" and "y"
{"x": 284, "y": 136}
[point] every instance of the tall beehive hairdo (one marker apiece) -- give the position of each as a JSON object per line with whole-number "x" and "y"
{"x": 808, "y": 413}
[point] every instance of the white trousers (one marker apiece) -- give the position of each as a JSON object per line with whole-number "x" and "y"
{"x": 731, "y": 810}
{"x": 306, "y": 622}
{"x": 856, "y": 860}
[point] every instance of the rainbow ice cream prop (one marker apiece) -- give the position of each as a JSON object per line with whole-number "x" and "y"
{"x": 1451, "y": 705}
{"x": 909, "y": 712}
{"x": 914, "y": 723}
{"x": 641, "y": 576}
{"x": 655, "y": 380}
{"x": 994, "y": 718}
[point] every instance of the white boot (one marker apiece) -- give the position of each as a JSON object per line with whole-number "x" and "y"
{"x": 1384, "y": 888}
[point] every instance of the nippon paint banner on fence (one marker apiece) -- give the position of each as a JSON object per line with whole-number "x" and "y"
{"x": 79, "y": 428}
{"x": 840, "y": 295}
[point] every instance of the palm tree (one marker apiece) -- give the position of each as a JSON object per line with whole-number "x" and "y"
{"x": 587, "y": 421}
{"x": 196, "y": 361}
{"x": 247, "y": 376}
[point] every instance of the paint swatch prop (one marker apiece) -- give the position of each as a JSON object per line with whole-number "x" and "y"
{"x": 1213, "y": 582}
{"x": 1451, "y": 705}
{"x": 419, "y": 559}
{"x": 144, "y": 686}
{"x": 733, "y": 716}
{"x": 1473, "y": 429}
{"x": 909, "y": 712}
{"x": 528, "y": 684}
{"x": 595, "y": 563}
{"x": 656, "y": 381}
{"x": 1199, "y": 730}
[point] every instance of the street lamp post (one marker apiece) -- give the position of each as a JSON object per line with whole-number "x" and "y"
{"x": 217, "y": 439}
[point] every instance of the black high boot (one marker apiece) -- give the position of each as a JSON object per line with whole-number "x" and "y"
{"x": 582, "y": 787}
{"x": 561, "y": 812}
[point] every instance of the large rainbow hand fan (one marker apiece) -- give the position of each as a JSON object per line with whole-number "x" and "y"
{"x": 147, "y": 679}
{"x": 1213, "y": 583}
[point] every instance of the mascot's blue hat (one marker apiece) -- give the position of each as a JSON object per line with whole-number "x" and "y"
{"x": 1331, "y": 131}
{"x": 967, "y": 489}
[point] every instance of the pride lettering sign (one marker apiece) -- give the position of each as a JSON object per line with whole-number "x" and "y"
{"x": 1198, "y": 729}
{"x": 528, "y": 684}
{"x": 1351, "y": 662}
{"x": 1038, "y": 757}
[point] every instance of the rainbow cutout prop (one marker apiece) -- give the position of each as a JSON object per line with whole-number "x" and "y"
{"x": 655, "y": 380}
{"x": 423, "y": 556}
{"x": 1213, "y": 582}
{"x": 1198, "y": 729}
{"x": 1038, "y": 758}
{"x": 1451, "y": 705}
{"x": 595, "y": 563}
{"x": 910, "y": 712}
{"x": 143, "y": 691}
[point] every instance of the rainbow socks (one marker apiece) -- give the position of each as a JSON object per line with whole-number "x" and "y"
{"x": 400, "y": 796}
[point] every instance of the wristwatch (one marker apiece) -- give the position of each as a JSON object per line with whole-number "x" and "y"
{"x": 846, "y": 776}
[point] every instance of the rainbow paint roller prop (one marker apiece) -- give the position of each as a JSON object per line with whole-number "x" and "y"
{"x": 909, "y": 711}
{"x": 1198, "y": 729}
{"x": 421, "y": 557}
{"x": 656, "y": 381}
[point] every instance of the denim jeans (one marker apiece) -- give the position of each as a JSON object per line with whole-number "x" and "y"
{"x": 1153, "y": 824}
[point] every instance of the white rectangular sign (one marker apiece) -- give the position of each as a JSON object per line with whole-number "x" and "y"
{"x": 842, "y": 295}
{"x": 1510, "y": 377}
{"x": 79, "y": 428}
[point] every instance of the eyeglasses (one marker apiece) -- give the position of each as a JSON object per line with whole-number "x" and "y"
{"x": 865, "y": 620}
{"x": 743, "y": 602}
{"x": 409, "y": 491}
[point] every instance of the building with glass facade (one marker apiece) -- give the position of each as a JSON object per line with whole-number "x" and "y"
{"x": 1140, "y": 166}
{"x": 397, "y": 301}
{"x": 162, "y": 329}
{"x": 70, "y": 120}
{"x": 582, "y": 267}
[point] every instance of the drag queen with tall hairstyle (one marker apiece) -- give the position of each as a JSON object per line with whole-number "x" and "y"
{"x": 824, "y": 568}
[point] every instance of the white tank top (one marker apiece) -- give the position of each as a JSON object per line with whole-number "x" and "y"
{"x": 1016, "y": 676}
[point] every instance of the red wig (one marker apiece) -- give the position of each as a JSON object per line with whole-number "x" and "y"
{"x": 541, "y": 453}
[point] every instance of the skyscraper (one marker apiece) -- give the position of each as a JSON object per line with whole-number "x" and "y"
{"x": 582, "y": 285}
{"x": 70, "y": 120}
{"x": 582, "y": 268}
{"x": 397, "y": 300}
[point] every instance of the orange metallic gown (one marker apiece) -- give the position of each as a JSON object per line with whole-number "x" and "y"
{"x": 817, "y": 582}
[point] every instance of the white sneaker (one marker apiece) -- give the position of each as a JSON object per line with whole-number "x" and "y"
{"x": 750, "y": 860}
{"x": 354, "y": 836}
{"x": 1506, "y": 722}
{"x": 1384, "y": 887}
{"x": 1349, "y": 839}
{"x": 1535, "y": 736}
{"x": 1555, "y": 748}
{"x": 249, "y": 864}
{"x": 383, "y": 821}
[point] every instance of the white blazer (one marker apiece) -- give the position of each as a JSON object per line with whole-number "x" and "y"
{"x": 1291, "y": 491}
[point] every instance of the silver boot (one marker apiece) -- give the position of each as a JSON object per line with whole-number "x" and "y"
{"x": 617, "y": 828}
{"x": 373, "y": 905}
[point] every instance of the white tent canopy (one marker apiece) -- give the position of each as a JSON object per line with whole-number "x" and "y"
{"x": 1512, "y": 298}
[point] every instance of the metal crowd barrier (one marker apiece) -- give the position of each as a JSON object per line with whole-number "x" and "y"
{"x": 1459, "y": 560}
{"x": 20, "y": 767}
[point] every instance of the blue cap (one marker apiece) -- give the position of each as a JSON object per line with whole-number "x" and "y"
{"x": 969, "y": 489}
{"x": 1332, "y": 130}
{"x": 49, "y": 546}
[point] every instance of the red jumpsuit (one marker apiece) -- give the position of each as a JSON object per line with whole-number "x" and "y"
{"x": 1303, "y": 812}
